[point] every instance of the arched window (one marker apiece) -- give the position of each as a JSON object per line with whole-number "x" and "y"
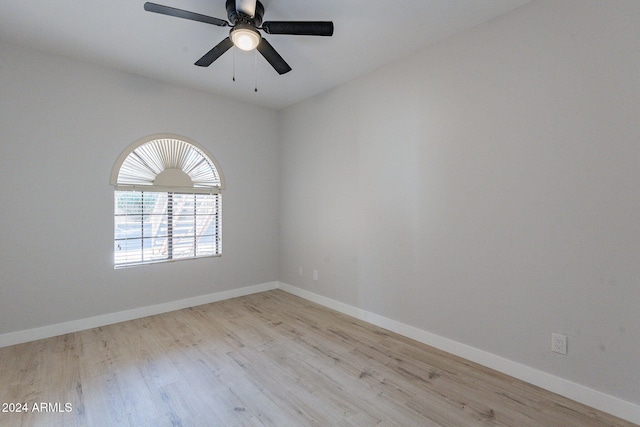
{"x": 167, "y": 202}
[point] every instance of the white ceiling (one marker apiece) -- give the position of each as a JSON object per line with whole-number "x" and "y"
{"x": 119, "y": 34}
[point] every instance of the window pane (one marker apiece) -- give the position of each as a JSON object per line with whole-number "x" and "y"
{"x": 155, "y": 226}
{"x": 155, "y": 248}
{"x": 127, "y": 228}
{"x": 183, "y": 225}
{"x": 206, "y": 246}
{"x": 206, "y": 204}
{"x": 128, "y": 203}
{"x": 183, "y": 247}
{"x": 152, "y": 226}
{"x": 127, "y": 251}
{"x": 155, "y": 203}
{"x": 205, "y": 226}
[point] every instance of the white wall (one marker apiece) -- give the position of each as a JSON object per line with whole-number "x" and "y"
{"x": 62, "y": 126}
{"x": 485, "y": 190}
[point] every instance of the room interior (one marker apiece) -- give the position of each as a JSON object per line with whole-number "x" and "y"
{"x": 476, "y": 192}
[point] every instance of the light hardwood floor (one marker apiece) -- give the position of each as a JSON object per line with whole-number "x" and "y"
{"x": 267, "y": 359}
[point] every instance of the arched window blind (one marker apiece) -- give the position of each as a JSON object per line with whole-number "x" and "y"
{"x": 167, "y": 162}
{"x": 167, "y": 202}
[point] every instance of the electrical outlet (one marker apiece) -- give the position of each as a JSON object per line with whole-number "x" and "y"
{"x": 559, "y": 343}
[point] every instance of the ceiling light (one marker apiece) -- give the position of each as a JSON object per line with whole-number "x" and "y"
{"x": 245, "y": 37}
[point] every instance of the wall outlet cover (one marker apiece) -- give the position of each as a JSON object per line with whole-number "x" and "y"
{"x": 559, "y": 343}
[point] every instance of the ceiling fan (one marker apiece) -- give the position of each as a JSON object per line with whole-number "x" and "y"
{"x": 245, "y": 19}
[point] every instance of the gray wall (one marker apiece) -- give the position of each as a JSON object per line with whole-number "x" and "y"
{"x": 485, "y": 190}
{"x": 62, "y": 126}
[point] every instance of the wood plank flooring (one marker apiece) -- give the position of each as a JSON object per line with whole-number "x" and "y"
{"x": 268, "y": 359}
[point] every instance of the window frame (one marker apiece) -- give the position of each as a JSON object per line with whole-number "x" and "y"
{"x": 170, "y": 165}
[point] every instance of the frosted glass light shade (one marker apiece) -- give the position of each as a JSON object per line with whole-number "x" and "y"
{"x": 245, "y": 38}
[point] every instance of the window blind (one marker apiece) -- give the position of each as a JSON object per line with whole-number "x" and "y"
{"x": 159, "y": 226}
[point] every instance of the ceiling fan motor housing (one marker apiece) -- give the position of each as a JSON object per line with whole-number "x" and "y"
{"x": 237, "y": 17}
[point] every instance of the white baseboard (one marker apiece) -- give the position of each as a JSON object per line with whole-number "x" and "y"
{"x": 579, "y": 393}
{"x": 18, "y": 337}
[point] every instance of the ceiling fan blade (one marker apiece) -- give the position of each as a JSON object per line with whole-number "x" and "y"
{"x": 214, "y": 53}
{"x": 179, "y": 13}
{"x": 247, "y": 7}
{"x": 300, "y": 28}
{"x": 273, "y": 57}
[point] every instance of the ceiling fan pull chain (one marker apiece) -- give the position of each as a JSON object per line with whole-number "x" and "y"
{"x": 234, "y": 63}
{"x": 255, "y": 68}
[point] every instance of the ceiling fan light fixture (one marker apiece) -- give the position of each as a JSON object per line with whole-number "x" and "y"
{"x": 245, "y": 19}
{"x": 245, "y": 37}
